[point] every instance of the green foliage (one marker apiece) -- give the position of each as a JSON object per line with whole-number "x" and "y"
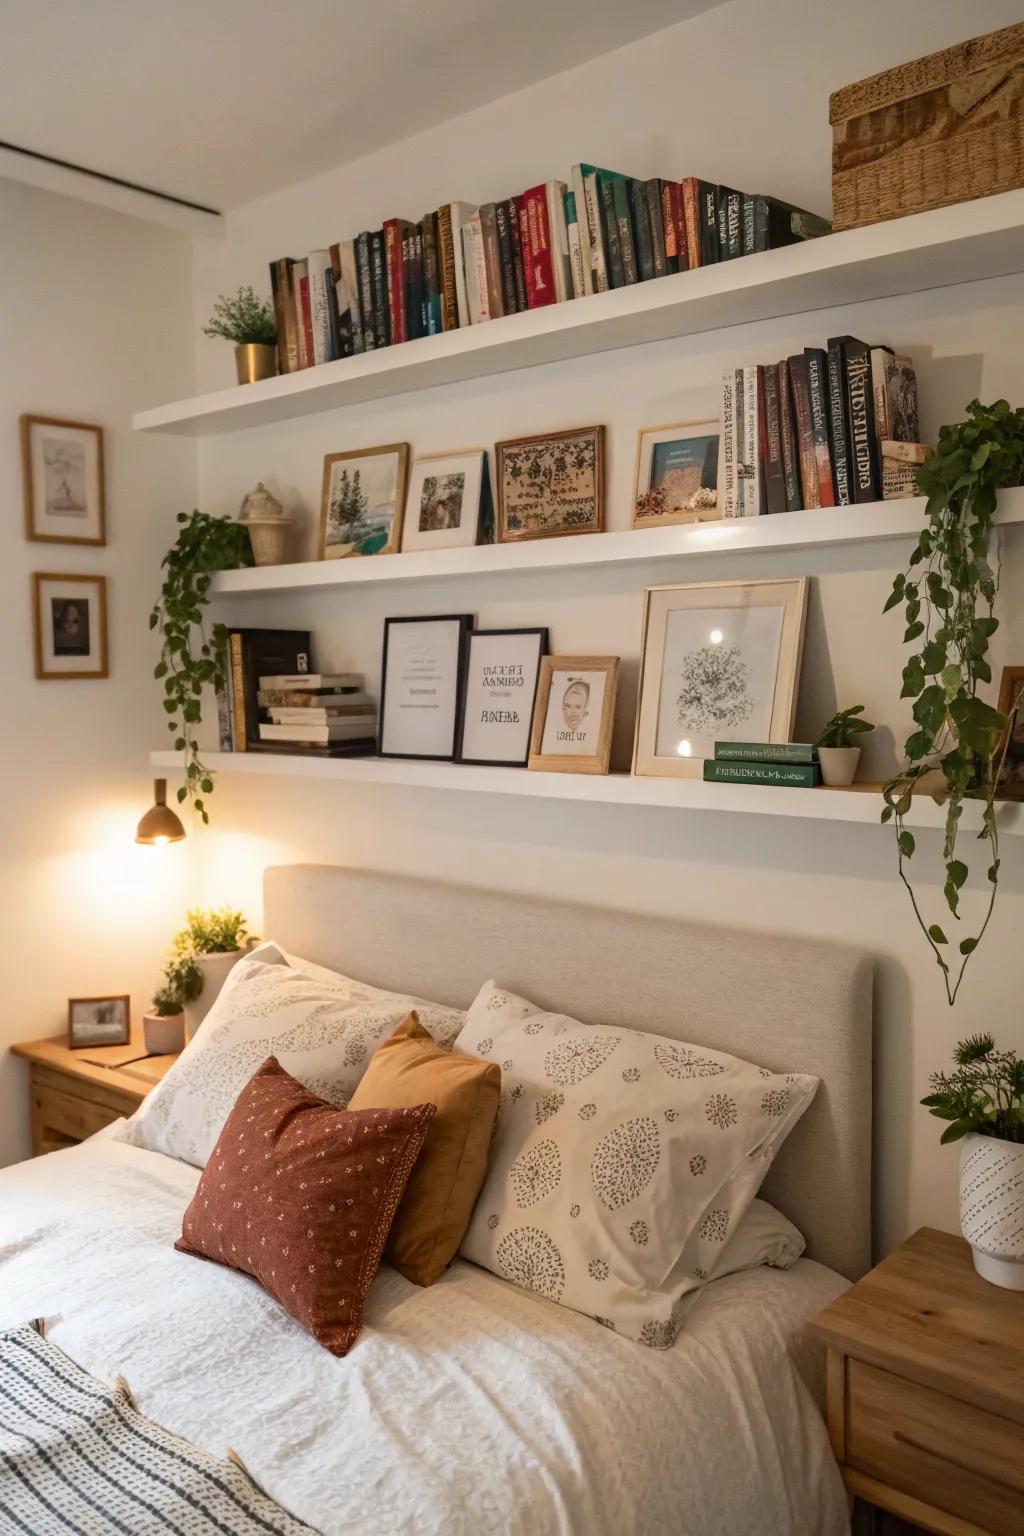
{"x": 984, "y": 1094}
{"x": 218, "y": 931}
{"x": 948, "y": 593}
{"x": 243, "y": 319}
{"x": 844, "y": 727}
{"x": 166, "y": 1001}
{"x": 183, "y": 978}
{"x": 190, "y": 659}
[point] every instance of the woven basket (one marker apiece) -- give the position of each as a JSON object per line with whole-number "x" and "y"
{"x": 939, "y": 130}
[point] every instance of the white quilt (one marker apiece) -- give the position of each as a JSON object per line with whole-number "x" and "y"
{"x": 467, "y": 1409}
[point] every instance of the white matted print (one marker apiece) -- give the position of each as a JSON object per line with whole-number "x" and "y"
{"x": 502, "y": 672}
{"x": 70, "y": 619}
{"x": 447, "y": 495}
{"x": 421, "y": 685}
{"x": 62, "y": 465}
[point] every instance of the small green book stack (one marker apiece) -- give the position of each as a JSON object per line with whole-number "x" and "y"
{"x": 779, "y": 764}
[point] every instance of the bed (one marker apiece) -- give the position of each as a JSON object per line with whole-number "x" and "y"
{"x": 471, "y": 1406}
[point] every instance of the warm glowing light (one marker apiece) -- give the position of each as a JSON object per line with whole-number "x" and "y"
{"x": 715, "y": 637}
{"x": 685, "y": 749}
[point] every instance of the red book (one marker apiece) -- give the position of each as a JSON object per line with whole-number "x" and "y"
{"x": 690, "y": 189}
{"x": 307, "y": 318}
{"x": 671, "y": 228}
{"x": 394, "y": 230}
{"x": 675, "y": 194}
{"x": 537, "y": 265}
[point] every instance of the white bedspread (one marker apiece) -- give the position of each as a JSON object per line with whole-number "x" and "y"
{"x": 467, "y": 1409}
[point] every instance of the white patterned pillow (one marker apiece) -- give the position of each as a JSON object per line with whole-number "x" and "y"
{"x": 322, "y": 1027}
{"x": 622, "y": 1162}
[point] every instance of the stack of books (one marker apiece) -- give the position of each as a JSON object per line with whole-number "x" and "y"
{"x": 319, "y": 714}
{"x": 780, "y": 764}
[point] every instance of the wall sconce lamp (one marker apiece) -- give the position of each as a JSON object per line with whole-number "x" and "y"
{"x": 160, "y": 824}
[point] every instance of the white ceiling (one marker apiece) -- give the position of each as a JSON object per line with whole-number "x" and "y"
{"x": 220, "y": 101}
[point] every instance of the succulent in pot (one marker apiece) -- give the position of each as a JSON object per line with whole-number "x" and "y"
{"x": 838, "y": 748}
{"x": 249, "y": 322}
{"x": 164, "y": 1026}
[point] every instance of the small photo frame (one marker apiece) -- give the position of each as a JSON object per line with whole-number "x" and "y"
{"x": 70, "y": 623}
{"x": 449, "y": 502}
{"x": 574, "y": 714}
{"x": 98, "y": 1021}
{"x": 550, "y": 485}
{"x": 502, "y": 673}
{"x": 362, "y": 501}
{"x": 677, "y": 474}
{"x": 421, "y": 686}
{"x": 1011, "y": 687}
{"x": 62, "y": 471}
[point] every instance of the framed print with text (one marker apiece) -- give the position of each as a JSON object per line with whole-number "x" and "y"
{"x": 502, "y": 672}
{"x": 70, "y": 621}
{"x": 574, "y": 714}
{"x": 62, "y": 468}
{"x": 421, "y": 686}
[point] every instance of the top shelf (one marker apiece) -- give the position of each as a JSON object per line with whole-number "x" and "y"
{"x": 959, "y": 244}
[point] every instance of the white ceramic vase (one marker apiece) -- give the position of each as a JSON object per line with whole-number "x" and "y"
{"x": 164, "y": 1034}
{"x": 992, "y": 1207}
{"x": 838, "y": 765}
{"x": 215, "y": 970}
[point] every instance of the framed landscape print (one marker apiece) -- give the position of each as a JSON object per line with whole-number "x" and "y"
{"x": 362, "y": 501}
{"x": 676, "y": 474}
{"x": 421, "y": 685}
{"x": 449, "y": 502}
{"x": 551, "y": 485}
{"x": 574, "y": 714}
{"x": 721, "y": 662}
{"x": 62, "y": 468}
{"x": 94, "y": 1021}
{"x": 502, "y": 672}
{"x": 70, "y": 621}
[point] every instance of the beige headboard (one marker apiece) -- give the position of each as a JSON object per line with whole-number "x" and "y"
{"x": 789, "y": 1004}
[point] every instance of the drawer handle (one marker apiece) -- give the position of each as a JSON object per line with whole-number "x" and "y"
{"x": 944, "y": 1456}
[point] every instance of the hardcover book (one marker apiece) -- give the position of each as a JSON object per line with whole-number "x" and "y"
{"x": 476, "y": 270}
{"x": 538, "y": 257}
{"x": 492, "y": 259}
{"x": 379, "y": 284}
{"x": 575, "y": 246}
{"x": 901, "y": 401}
{"x": 787, "y": 432}
{"x": 655, "y": 215}
{"x": 365, "y": 286}
{"x": 303, "y": 336}
{"x": 624, "y": 228}
{"x": 554, "y": 192}
{"x": 412, "y": 297}
{"x": 750, "y": 446}
{"x": 504, "y": 236}
{"x": 673, "y": 217}
{"x": 838, "y": 421}
{"x": 515, "y": 213}
{"x": 728, "y": 499}
{"x": 708, "y": 204}
{"x": 610, "y": 227}
{"x": 588, "y": 212}
{"x": 774, "y": 473}
{"x": 396, "y": 232}
{"x": 777, "y": 775}
{"x": 346, "y": 287}
{"x": 690, "y": 191}
{"x": 765, "y": 752}
{"x": 641, "y": 220}
{"x": 252, "y": 654}
{"x": 321, "y": 272}
{"x": 880, "y": 360}
{"x": 431, "y": 294}
{"x": 860, "y": 406}
{"x": 284, "y": 314}
{"x": 800, "y": 387}
{"x": 817, "y": 379}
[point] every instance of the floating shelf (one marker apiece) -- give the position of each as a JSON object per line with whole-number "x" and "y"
{"x": 962, "y": 243}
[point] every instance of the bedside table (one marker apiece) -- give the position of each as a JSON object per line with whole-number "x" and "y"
{"x": 74, "y": 1093}
{"x": 926, "y": 1390}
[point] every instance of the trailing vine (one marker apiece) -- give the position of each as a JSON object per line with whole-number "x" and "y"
{"x": 190, "y": 658}
{"x": 948, "y": 593}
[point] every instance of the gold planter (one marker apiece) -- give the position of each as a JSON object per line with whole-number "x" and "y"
{"x": 255, "y": 361}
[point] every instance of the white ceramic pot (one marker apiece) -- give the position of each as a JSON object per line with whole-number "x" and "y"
{"x": 164, "y": 1035}
{"x": 215, "y": 970}
{"x": 992, "y": 1207}
{"x": 838, "y": 765}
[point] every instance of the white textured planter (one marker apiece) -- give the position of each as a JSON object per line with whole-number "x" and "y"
{"x": 992, "y": 1207}
{"x": 163, "y": 1034}
{"x": 838, "y": 765}
{"x": 215, "y": 970}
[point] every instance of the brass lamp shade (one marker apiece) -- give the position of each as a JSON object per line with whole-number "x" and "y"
{"x": 160, "y": 824}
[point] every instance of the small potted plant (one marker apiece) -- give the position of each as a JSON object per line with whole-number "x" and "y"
{"x": 164, "y": 1028}
{"x": 202, "y": 954}
{"x": 838, "y": 752}
{"x": 249, "y": 322}
{"x": 983, "y": 1100}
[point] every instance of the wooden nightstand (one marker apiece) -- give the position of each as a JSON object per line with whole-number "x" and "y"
{"x": 926, "y": 1390}
{"x": 75, "y": 1093}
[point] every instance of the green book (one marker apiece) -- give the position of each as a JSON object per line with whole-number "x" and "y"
{"x": 765, "y": 752}
{"x": 777, "y": 775}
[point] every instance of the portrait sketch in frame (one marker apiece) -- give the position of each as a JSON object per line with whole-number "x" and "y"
{"x": 98, "y": 1021}
{"x": 362, "y": 501}
{"x": 676, "y": 474}
{"x": 574, "y": 714}
{"x": 502, "y": 674}
{"x": 70, "y": 626}
{"x": 422, "y": 673}
{"x": 550, "y": 485}
{"x": 62, "y": 470}
{"x": 448, "y": 504}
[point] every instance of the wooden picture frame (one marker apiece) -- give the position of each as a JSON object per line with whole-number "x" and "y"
{"x": 696, "y": 483}
{"x": 120, "y": 1024}
{"x": 557, "y": 498}
{"x": 54, "y": 653}
{"x": 369, "y": 532}
{"x": 1011, "y": 783}
{"x": 505, "y": 696}
{"x": 563, "y": 680}
{"x": 63, "y": 481}
{"x": 431, "y": 647}
{"x": 469, "y": 491}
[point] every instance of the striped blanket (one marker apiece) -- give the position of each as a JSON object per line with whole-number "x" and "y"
{"x": 77, "y": 1459}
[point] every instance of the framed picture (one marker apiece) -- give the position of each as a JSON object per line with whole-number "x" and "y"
{"x": 676, "y": 474}
{"x": 449, "y": 502}
{"x": 70, "y": 620}
{"x": 421, "y": 685}
{"x": 502, "y": 672}
{"x": 721, "y": 662}
{"x": 1011, "y": 687}
{"x": 62, "y": 470}
{"x": 551, "y": 485}
{"x": 362, "y": 500}
{"x": 94, "y": 1021}
{"x": 574, "y": 714}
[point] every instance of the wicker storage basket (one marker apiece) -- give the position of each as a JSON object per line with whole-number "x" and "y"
{"x": 939, "y": 130}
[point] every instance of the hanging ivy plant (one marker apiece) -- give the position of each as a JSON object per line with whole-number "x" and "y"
{"x": 190, "y": 658}
{"x": 948, "y": 593}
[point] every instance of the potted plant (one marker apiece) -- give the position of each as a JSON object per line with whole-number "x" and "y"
{"x": 202, "y": 954}
{"x": 983, "y": 1100}
{"x": 838, "y": 751}
{"x": 164, "y": 1028}
{"x": 248, "y": 322}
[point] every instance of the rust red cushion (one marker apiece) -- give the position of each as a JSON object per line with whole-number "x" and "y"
{"x": 301, "y": 1196}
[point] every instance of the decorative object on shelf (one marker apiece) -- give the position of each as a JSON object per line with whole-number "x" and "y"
{"x": 502, "y": 672}
{"x": 268, "y": 524}
{"x": 551, "y": 484}
{"x": 421, "y": 689}
{"x": 676, "y": 474}
{"x": 202, "y": 954}
{"x": 983, "y": 1101}
{"x": 160, "y": 824}
{"x": 70, "y": 624}
{"x": 1011, "y": 752}
{"x": 449, "y": 502}
{"x": 163, "y": 1030}
{"x": 900, "y": 464}
{"x": 721, "y": 661}
{"x": 948, "y": 580}
{"x": 574, "y": 714}
{"x": 249, "y": 322}
{"x": 838, "y": 752}
{"x": 63, "y": 481}
{"x": 204, "y": 545}
{"x": 95, "y": 1021}
{"x": 362, "y": 501}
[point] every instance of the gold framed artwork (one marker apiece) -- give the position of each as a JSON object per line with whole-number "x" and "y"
{"x": 676, "y": 474}
{"x": 550, "y": 485}
{"x": 721, "y": 662}
{"x": 574, "y": 714}
{"x": 98, "y": 1021}
{"x": 69, "y": 615}
{"x": 62, "y": 473}
{"x": 362, "y": 500}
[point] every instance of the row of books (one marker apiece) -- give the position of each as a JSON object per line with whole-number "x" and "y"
{"x": 461, "y": 265}
{"x": 272, "y": 702}
{"x": 815, "y": 429}
{"x": 777, "y": 764}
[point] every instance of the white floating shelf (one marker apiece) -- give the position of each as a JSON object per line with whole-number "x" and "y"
{"x": 959, "y": 244}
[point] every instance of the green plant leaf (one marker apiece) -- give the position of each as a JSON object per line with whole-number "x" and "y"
{"x": 968, "y": 946}
{"x": 906, "y": 843}
{"x": 936, "y": 934}
{"x": 979, "y": 726}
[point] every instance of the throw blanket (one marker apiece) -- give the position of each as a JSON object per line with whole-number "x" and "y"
{"x": 77, "y": 1459}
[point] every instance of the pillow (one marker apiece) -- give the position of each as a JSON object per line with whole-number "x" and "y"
{"x": 762, "y": 1236}
{"x": 301, "y": 1197}
{"x": 408, "y": 1068}
{"x": 622, "y": 1161}
{"x": 321, "y": 1026}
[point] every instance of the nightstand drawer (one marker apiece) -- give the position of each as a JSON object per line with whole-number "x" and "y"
{"x": 62, "y": 1116}
{"x": 954, "y": 1457}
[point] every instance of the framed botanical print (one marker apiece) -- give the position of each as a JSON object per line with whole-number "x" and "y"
{"x": 550, "y": 485}
{"x": 62, "y": 469}
{"x": 70, "y": 622}
{"x": 362, "y": 501}
{"x": 421, "y": 686}
{"x": 97, "y": 1021}
{"x": 676, "y": 474}
{"x": 721, "y": 662}
{"x": 502, "y": 672}
{"x": 449, "y": 502}
{"x": 574, "y": 714}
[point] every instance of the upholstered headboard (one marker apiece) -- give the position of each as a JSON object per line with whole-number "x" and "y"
{"x": 788, "y": 1004}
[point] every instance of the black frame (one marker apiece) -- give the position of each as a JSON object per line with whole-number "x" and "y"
{"x": 465, "y": 622}
{"x": 498, "y": 762}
